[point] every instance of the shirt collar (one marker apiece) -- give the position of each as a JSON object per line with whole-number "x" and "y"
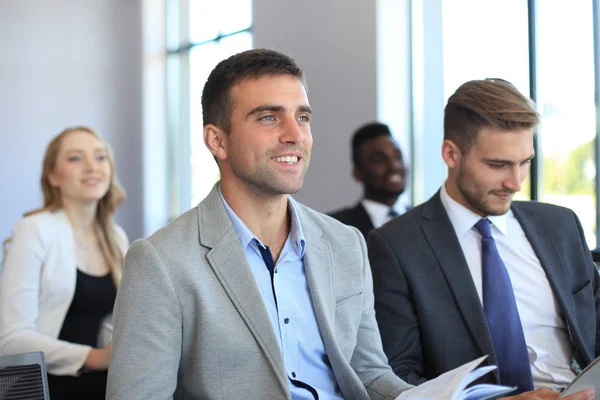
{"x": 246, "y": 236}
{"x": 376, "y": 208}
{"x": 463, "y": 219}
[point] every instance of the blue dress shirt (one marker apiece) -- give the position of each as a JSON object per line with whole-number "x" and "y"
{"x": 292, "y": 315}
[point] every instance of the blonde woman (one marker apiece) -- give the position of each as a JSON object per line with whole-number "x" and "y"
{"x": 63, "y": 264}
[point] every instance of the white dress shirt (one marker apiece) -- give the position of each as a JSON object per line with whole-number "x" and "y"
{"x": 548, "y": 344}
{"x": 379, "y": 213}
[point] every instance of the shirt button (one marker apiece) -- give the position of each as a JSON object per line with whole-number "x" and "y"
{"x": 293, "y": 374}
{"x": 286, "y": 320}
{"x": 275, "y": 270}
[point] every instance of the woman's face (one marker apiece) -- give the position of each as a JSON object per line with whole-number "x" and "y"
{"x": 82, "y": 172}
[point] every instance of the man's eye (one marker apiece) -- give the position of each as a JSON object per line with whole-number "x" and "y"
{"x": 304, "y": 118}
{"x": 496, "y": 166}
{"x": 73, "y": 158}
{"x": 267, "y": 118}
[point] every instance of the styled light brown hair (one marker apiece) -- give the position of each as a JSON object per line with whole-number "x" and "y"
{"x": 488, "y": 103}
{"x": 114, "y": 197}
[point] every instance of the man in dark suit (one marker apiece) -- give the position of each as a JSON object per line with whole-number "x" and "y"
{"x": 379, "y": 167}
{"x": 470, "y": 272}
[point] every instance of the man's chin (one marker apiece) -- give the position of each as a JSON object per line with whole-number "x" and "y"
{"x": 498, "y": 210}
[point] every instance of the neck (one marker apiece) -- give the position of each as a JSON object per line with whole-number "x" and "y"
{"x": 264, "y": 214}
{"x": 387, "y": 200}
{"x": 82, "y": 217}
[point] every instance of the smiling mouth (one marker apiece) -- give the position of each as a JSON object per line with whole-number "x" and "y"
{"x": 92, "y": 181}
{"x": 395, "y": 178}
{"x": 504, "y": 195}
{"x": 286, "y": 159}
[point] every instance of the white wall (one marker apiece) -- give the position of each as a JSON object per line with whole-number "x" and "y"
{"x": 68, "y": 62}
{"x": 334, "y": 42}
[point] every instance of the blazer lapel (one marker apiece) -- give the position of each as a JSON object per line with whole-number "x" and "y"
{"x": 228, "y": 261}
{"x": 536, "y": 231}
{"x": 363, "y": 220}
{"x": 319, "y": 273}
{"x": 444, "y": 244}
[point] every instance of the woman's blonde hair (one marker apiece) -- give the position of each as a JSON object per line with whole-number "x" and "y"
{"x": 107, "y": 235}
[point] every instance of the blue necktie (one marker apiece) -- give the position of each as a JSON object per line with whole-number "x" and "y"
{"x": 502, "y": 315}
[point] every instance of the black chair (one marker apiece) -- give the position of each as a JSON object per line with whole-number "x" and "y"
{"x": 23, "y": 377}
{"x": 596, "y": 257}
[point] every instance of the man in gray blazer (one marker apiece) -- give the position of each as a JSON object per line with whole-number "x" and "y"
{"x": 434, "y": 298}
{"x": 251, "y": 295}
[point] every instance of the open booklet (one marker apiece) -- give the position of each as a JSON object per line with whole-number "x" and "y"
{"x": 588, "y": 378}
{"x": 453, "y": 385}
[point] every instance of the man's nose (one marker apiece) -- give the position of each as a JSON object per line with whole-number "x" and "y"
{"x": 291, "y": 132}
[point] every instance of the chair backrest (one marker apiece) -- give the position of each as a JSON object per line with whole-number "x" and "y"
{"x": 596, "y": 258}
{"x": 23, "y": 377}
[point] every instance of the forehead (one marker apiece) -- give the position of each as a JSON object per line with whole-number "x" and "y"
{"x": 382, "y": 143}
{"x": 80, "y": 140}
{"x": 272, "y": 89}
{"x": 514, "y": 145}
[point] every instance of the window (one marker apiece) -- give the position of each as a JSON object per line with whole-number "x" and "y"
{"x": 484, "y": 39}
{"x": 200, "y": 33}
{"x": 518, "y": 40}
{"x": 565, "y": 99}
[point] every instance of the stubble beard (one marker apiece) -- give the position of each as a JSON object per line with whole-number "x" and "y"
{"x": 262, "y": 181}
{"x": 477, "y": 199}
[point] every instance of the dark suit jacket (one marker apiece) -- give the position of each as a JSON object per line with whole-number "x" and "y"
{"x": 429, "y": 314}
{"x": 355, "y": 216}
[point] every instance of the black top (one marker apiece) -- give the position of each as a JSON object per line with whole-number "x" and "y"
{"x": 93, "y": 300}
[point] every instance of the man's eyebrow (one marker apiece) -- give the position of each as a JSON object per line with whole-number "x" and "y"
{"x": 502, "y": 161}
{"x": 274, "y": 108}
{"x": 264, "y": 107}
{"x": 305, "y": 109}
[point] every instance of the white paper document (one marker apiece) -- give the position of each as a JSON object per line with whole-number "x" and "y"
{"x": 588, "y": 378}
{"x": 453, "y": 385}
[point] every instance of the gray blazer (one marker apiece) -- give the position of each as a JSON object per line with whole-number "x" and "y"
{"x": 428, "y": 310}
{"x": 190, "y": 322}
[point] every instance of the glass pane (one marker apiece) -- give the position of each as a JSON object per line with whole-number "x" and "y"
{"x": 174, "y": 131}
{"x": 204, "y": 172}
{"x": 203, "y": 59}
{"x": 565, "y": 97}
{"x": 235, "y": 44}
{"x": 204, "y": 20}
{"x": 492, "y": 44}
{"x": 236, "y": 15}
{"x": 172, "y": 24}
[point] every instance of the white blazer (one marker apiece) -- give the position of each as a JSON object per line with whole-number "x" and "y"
{"x": 37, "y": 288}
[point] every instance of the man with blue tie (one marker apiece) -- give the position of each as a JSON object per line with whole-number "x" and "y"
{"x": 251, "y": 295}
{"x": 470, "y": 272}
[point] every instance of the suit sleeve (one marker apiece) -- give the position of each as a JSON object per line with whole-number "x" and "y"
{"x": 146, "y": 347}
{"x": 595, "y": 279}
{"x": 19, "y": 303}
{"x": 368, "y": 360}
{"x": 394, "y": 309}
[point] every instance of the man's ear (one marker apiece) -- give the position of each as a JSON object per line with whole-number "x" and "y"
{"x": 357, "y": 174}
{"x": 216, "y": 141}
{"x": 451, "y": 154}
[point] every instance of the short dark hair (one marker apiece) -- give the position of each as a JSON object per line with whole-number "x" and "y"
{"x": 251, "y": 64}
{"x": 493, "y": 103}
{"x": 364, "y": 133}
